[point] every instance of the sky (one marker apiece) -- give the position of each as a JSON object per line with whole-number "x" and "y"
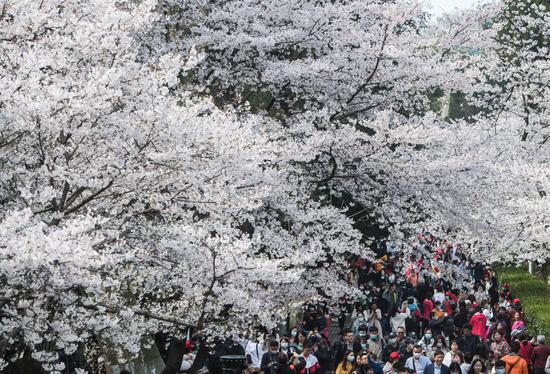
{"x": 441, "y": 6}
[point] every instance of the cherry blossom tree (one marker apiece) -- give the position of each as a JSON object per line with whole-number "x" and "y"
{"x": 130, "y": 207}
{"x": 168, "y": 165}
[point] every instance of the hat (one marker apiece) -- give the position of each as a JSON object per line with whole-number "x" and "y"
{"x": 516, "y": 300}
{"x": 394, "y": 356}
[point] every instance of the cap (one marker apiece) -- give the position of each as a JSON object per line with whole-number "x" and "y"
{"x": 516, "y": 300}
{"x": 394, "y": 356}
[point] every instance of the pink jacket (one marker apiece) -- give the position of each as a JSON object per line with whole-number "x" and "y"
{"x": 478, "y": 323}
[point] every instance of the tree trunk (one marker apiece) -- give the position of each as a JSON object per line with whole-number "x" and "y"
{"x": 545, "y": 272}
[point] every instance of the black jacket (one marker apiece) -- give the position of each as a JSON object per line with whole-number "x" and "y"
{"x": 267, "y": 359}
{"x": 468, "y": 344}
{"x": 339, "y": 349}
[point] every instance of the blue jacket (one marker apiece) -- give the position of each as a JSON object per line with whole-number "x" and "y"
{"x": 377, "y": 368}
{"x": 430, "y": 369}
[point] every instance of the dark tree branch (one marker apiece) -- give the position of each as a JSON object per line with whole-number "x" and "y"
{"x": 89, "y": 198}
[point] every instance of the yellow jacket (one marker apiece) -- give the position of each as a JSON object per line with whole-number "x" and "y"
{"x": 344, "y": 370}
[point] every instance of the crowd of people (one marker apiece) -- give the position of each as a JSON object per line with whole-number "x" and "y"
{"x": 435, "y": 312}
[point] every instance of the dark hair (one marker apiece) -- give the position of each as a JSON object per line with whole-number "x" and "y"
{"x": 468, "y": 357}
{"x": 301, "y": 363}
{"x": 515, "y": 347}
{"x": 439, "y": 353}
{"x": 483, "y": 367}
{"x": 345, "y": 356}
{"x": 308, "y": 344}
{"x": 454, "y": 366}
{"x": 440, "y": 338}
{"x": 477, "y": 309}
{"x": 417, "y": 346}
{"x": 398, "y": 366}
{"x": 373, "y": 329}
{"x": 467, "y": 326}
{"x": 273, "y": 343}
{"x": 346, "y": 331}
{"x": 500, "y": 364}
{"x": 124, "y": 371}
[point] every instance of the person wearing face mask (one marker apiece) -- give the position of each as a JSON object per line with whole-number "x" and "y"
{"x": 363, "y": 337}
{"x": 359, "y": 317}
{"x": 499, "y": 368}
{"x": 346, "y": 343}
{"x": 427, "y": 342}
{"x": 440, "y": 345}
{"x": 345, "y": 366}
{"x": 375, "y": 343}
{"x": 417, "y": 362}
{"x": 286, "y": 348}
{"x": 269, "y": 359}
{"x": 391, "y": 346}
{"x": 293, "y": 339}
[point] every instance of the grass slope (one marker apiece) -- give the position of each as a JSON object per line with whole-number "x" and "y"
{"x": 534, "y": 296}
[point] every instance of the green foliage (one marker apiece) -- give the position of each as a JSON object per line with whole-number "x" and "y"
{"x": 459, "y": 108}
{"x": 534, "y": 296}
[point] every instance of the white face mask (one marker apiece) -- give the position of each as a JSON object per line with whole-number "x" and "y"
{"x": 284, "y": 345}
{"x": 294, "y": 333}
{"x": 416, "y": 354}
{"x": 351, "y": 358}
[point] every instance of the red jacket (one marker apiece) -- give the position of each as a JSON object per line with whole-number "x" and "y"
{"x": 427, "y": 307}
{"x": 526, "y": 350}
{"x": 478, "y": 323}
{"x": 539, "y": 356}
